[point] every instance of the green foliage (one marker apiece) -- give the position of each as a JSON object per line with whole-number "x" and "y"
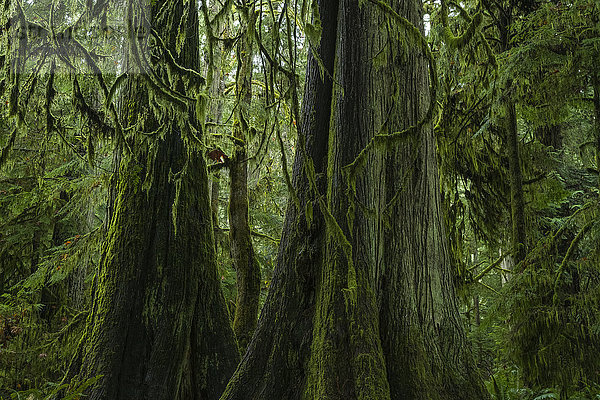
{"x": 45, "y": 267}
{"x": 533, "y": 327}
{"x": 313, "y": 29}
{"x": 537, "y": 325}
{"x": 50, "y": 213}
{"x": 50, "y": 391}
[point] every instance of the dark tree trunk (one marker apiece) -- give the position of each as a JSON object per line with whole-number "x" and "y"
{"x": 347, "y": 359}
{"x": 362, "y": 305}
{"x": 215, "y": 192}
{"x": 158, "y": 327}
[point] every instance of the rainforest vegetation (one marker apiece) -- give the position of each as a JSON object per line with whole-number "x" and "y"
{"x": 300, "y": 199}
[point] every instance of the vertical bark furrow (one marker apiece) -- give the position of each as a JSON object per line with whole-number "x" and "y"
{"x": 347, "y": 360}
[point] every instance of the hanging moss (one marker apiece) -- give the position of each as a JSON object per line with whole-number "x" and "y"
{"x": 93, "y": 115}
{"x": 113, "y": 89}
{"x": 8, "y": 147}
{"x": 314, "y": 29}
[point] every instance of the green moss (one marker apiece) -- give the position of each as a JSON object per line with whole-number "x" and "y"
{"x": 8, "y": 147}
{"x": 457, "y": 42}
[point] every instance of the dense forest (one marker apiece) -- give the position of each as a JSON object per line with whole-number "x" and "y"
{"x": 300, "y": 199}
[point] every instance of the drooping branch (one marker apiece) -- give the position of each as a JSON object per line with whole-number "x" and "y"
{"x": 457, "y": 42}
{"x": 572, "y": 247}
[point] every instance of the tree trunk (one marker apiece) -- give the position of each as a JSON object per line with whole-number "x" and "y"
{"x": 361, "y": 311}
{"x": 158, "y": 327}
{"x": 215, "y": 191}
{"x": 427, "y": 354}
{"x": 347, "y": 359}
{"x": 216, "y": 86}
{"x": 277, "y": 356}
{"x": 596, "y": 86}
{"x": 511, "y": 139}
{"x": 242, "y": 251}
{"x": 517, "y": 202}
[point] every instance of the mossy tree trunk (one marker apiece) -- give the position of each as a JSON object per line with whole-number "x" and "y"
{"x": 511, "y": 140}
{"x": 215, "y": 205}
{"x": 362, "y": 304}
{"x": 517, "y": 200}
{"x": 158, "y": 327}
{"x": 242, "y": 251}
{"x": 347, "y": 360}
{"x": 426, "y": 349}
{"x": 276, "y": 359}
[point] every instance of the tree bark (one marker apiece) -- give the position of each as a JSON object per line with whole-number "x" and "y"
{"x": 215, "y": 191}
{"x": 158, "y": 327}
{"x": 426, "y": 350}
{"x": 347, "y": 360}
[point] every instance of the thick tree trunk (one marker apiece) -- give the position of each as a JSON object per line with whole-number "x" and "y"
{"x": 242, "y": 251}
{"x": 347, "y": 360}
{"x": 374, "y": 308}
{"x": 427, "y": 354}
{"x": 158, "y": 327}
